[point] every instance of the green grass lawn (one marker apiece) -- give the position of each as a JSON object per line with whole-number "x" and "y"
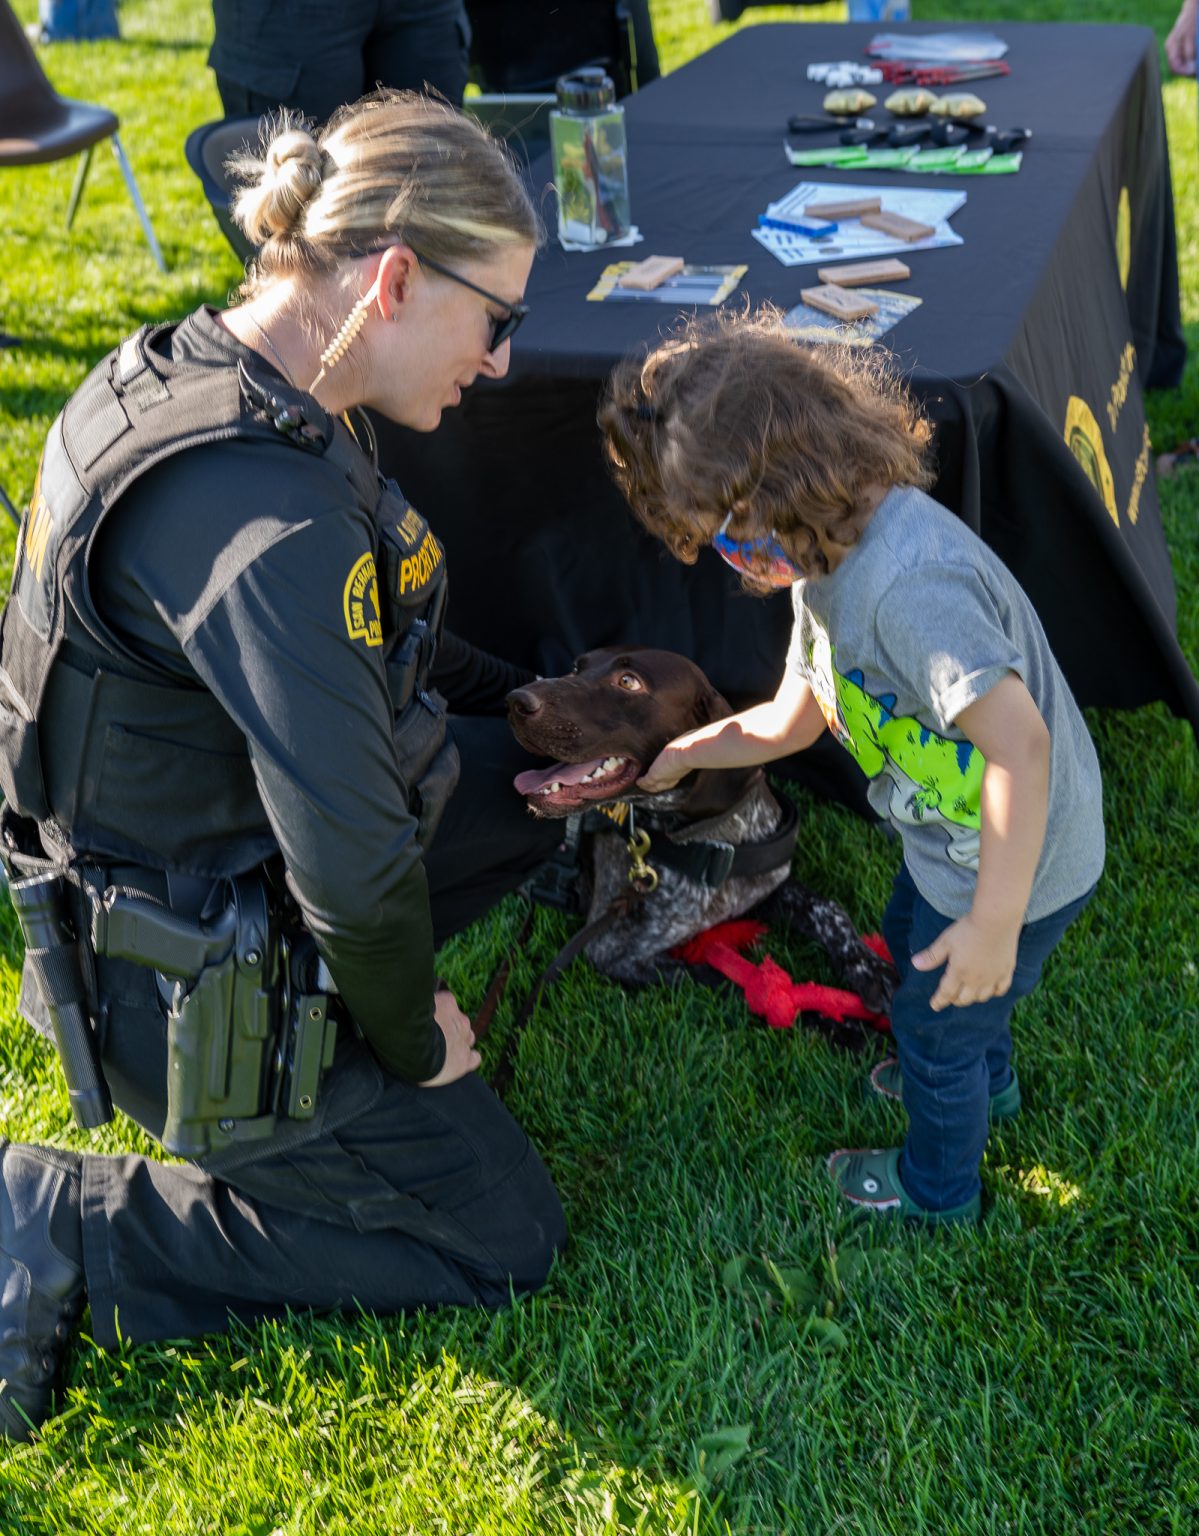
{"x": 1033, "y": 1377}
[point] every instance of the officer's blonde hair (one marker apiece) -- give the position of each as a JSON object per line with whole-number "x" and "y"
{"x": 396, "y": 164}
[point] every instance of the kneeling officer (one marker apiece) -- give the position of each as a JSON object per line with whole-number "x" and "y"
{"x": 223, "y": 762}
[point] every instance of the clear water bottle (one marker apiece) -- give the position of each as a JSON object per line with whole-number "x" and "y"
{"x": 880, "y": 10}
{"x": 591, "y": 167}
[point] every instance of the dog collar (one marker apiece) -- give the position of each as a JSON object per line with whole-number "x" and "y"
{"x": 712, "y": 861}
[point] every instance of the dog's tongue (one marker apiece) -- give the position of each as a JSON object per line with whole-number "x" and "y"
{"x": 533, "y": 779}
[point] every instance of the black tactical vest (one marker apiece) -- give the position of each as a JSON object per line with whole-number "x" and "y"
{"x": 117, "y": 759}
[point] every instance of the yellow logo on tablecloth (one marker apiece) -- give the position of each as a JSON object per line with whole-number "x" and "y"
{"x": 1124, "y": 237}
{"x": 1085, "y": 442}
{"x": 360, "y": 600}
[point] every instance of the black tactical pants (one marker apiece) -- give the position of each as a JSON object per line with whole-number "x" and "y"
{"x": 315, "y": 56}
{"x": 392, "y": 1197}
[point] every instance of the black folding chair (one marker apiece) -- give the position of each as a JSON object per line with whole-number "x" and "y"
{"x": 8, "y": 507}
{"x": 37, "y": 125}
{"x": 207, "y": 148}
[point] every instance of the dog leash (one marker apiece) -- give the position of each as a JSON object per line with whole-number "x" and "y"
{"x": 642, "y": 879}
{"x": 505, "y": 1069}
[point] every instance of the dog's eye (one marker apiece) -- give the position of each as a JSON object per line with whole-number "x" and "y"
{"x": 629, "y": 681}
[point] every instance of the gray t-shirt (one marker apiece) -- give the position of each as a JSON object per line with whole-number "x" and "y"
{"x": 919, "y": 621}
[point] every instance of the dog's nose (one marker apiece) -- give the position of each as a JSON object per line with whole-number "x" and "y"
{"x": 524, "y": 701}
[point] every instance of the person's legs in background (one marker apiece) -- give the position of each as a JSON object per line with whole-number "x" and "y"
{"x": 300, "y": 54}
{"x": 416, "y": 44}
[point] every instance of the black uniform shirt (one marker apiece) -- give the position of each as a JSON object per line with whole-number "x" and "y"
{"x": 229, "y": 564}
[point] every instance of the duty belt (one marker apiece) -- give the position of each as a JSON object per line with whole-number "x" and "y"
{"x": 249, "y": 1032}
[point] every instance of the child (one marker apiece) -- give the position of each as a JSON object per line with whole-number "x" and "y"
{"x": 915, "y": 646}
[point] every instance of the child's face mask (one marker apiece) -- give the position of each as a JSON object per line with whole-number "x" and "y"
{"x": 765, "y": 560}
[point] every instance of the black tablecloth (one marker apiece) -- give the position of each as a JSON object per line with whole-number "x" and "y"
{"x": 1060, "y": 307}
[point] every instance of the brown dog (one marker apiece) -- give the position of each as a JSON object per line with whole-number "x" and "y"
{"x": 605, "y": 722}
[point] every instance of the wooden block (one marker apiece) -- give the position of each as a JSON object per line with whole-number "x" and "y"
{"x": 651, "y": 272}
{"x": 860, "y": 274}
{"x": 895, "y": 224}
{"x": 836, "y": 301}
{"x": 851, "y": 208}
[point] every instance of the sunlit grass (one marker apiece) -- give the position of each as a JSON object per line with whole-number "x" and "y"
{"x": 1033, "y": 1377}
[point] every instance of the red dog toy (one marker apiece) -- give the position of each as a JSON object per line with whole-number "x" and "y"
{"x": 769, "y": 991}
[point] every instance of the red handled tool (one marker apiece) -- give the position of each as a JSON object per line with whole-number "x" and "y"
{"x": 903, "y": 72}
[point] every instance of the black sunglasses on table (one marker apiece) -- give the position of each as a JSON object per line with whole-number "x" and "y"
{"x": 508, "y": 322}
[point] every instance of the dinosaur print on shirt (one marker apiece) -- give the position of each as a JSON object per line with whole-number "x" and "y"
{"x": 935, "y": 781}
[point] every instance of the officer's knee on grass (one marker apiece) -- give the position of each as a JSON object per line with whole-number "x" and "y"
{"x": 536, "y": 1235}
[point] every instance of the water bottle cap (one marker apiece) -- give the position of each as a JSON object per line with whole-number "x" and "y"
{"x": 586, "y": 90}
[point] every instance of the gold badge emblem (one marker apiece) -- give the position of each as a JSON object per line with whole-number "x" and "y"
{"x": 364, "y": 619}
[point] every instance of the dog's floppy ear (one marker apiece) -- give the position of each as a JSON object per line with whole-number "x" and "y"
{"x": 709, "y": 705}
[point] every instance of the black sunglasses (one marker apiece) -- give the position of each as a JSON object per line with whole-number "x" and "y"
{"x": 508, "y": 322}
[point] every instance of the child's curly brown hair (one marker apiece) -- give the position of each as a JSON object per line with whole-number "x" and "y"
{"x": 733, "y": 415}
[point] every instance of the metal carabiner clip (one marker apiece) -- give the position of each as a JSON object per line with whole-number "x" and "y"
{"x": 642, "y": 876}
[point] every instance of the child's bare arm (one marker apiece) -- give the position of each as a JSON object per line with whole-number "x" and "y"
{"x": 979, "y": 950}
{"x": 785, "y": 724}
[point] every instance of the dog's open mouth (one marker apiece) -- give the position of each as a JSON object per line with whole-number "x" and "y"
{"x": 563, "y": 787}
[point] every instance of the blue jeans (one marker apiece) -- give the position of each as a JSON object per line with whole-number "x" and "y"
{"x": 955, "y": 1060}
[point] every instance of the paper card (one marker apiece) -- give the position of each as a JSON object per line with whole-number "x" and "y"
{"x": 852, "y": 241}
{"x": 807, "y": 324}
{"x": 693, "y": 285}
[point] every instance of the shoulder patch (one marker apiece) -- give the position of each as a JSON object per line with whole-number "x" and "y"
{"x": 360, "y": 601}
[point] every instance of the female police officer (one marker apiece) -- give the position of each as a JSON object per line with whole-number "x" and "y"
{"x": 216, "y": 704}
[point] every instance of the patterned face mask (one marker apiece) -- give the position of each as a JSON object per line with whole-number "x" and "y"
{"x": 765, "y": 560}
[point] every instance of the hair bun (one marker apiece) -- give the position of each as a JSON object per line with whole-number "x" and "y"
{"x": 293, "y": 144}
{"x": 280, "y": 183}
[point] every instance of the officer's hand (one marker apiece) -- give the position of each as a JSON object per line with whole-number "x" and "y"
{"x": 460, "y": 1054}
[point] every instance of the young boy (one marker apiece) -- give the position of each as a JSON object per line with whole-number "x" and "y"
{"x": 915, "y": 646}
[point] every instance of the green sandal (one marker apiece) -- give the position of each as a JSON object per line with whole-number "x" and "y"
{"x": 887, "y": 1081}
{"x": 869, "y": 1179}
